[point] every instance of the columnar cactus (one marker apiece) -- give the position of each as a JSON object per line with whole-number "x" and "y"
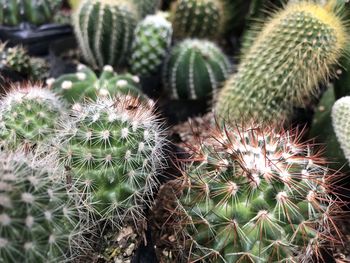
{"x": 38, "y": 219}
{"x": 104, "y": 30}
{"x": 256, "y": 195}
{"x": 146, "y": 7}
{"x": 195, "y": 69}
{"x": 28, "y": 116}
{"x": 76, "y": 87}
{"x": 341, "y": 123}
{"x": 197, "y": 18}
{"x": 13, "y": 12}
{"x": 112, "y": 150}
{"x": 294, "y": 52}
{"x": 151, "y": 43}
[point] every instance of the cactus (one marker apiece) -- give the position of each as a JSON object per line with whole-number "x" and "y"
{"x": 151, "y": 43}
{"x": 76, "y": 87}
{"x": 195, "y": 69}
{"x": 114, "y": 147}
{"x": 146, "y": 7}
{"x": 39, "y": 218}
{"x": 341, "y": 123}
{"x": 256, "y": 195}
{"x": 295, "y": 51}
{"x": 28, "y": 116}
{"x": 104, "y": 30}
{"x": 197, "y": 19}
{"x": 14, "y": 12}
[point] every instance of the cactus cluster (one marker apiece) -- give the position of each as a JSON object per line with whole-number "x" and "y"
{"x": 28, "y": 116}
{"x": 38, "y": 12}
{"x": 255, "y": 195}
{"x": 295, "y": 51}
{"x": 39, "y": 219}
{"x": 195, "y": 69}
{"x": 151, "y": 43}
{"x": 84, "y": 84}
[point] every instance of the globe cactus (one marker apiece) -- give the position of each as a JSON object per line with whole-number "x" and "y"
{"x": 76, "y": 87}
{"x": 195, "y": 69}
{"x": 151, "y": 43}
{"x": 39, "y": 218}
{"x": 255, "y": 195}
{"x": 295, "y": 51}
{"x": 104, "y": 30}
{"x": 112, "y": 149}
{"x": 14, "y": 12}
{"x": 28, "y": 116}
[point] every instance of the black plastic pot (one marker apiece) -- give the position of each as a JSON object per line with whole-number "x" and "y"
{"x": 36, "y": 39}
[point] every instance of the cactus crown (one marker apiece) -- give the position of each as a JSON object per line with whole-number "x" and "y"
{"x": 256, "y": 195}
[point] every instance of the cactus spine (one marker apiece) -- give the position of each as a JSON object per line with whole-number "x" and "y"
{"x": 114, "y": 147}
{"x": 256, "y": 195}
{"x": 294, "y": 52}
{"x": 104, "y": 29}
{"x": 28, "y": 116}
{"x": 38, "y": 218}
{"x": 14, "y": 12}
{"x": 151, "y": 43}
{"x": 76, "y": 87}
{"x": 197, "y": 19}
{"x": 195, "y": 69}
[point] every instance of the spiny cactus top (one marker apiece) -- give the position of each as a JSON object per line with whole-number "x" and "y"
{"x": 104, "y": 29}
{"x": 28, "y": 115}
{"x": 293, "y": 53}
{"x": 256, "y": 195}
{"x": 13, "y": 12}
{"x": 85, "y": 84}
{"x": 195, "y": 69}
{"x": 341, "y": 123}
{"x": 38, "y": 217}
{"x": 151, "y": 43}
{"x": 113, "y": 147}
{"x": 197, "y": 18}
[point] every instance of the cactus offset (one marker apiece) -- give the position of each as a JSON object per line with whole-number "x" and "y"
{"x": 38, "y": 219}
{"x": 28, "y": 116}
{"x": 14, "y": 12}
{"x": 195, "y": 69}
{"x": 76, "y": 87}
{"x": 113, "y": 148}
{"x": 104, "y": 29}
{"x": 151, "y": 43}
{"x": 197, "y": 18}
{"x": 256, "y": 195}
{"x": 295, "y": 51}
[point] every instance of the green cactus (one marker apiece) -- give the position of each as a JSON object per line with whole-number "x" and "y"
{"x": 14, "y": 12}
{"x": 112, "y": 150}
{"x": 151, "y": 43}
{"x": 28, "y": 116}
{"x": 104, "y": 30}
{"x": 295, "y": 51}
{"x": 255, "y": 195}
{"x": 76, "y": 87}
{"x": 146, "y": 7}
{"x": 197, "y": 19}
{"x": 39, "y": 218}
{"x": 195, "y": 69}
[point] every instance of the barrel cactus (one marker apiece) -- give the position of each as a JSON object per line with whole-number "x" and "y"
{"x": 104, "y": 30}
{"x": 112, "y": 149}
{"x": 295, "y": 51}
{"x": 256, "y": 195}
{"x": 28, "y": 116}
{"x": 83, "y": 84}
{"x": 195, "y": 69}
{"x": 151, "y": 43}
{"x": 197, "y": 19}
{"x": 39, "y": 218}
{"x": 14, "y": 12}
